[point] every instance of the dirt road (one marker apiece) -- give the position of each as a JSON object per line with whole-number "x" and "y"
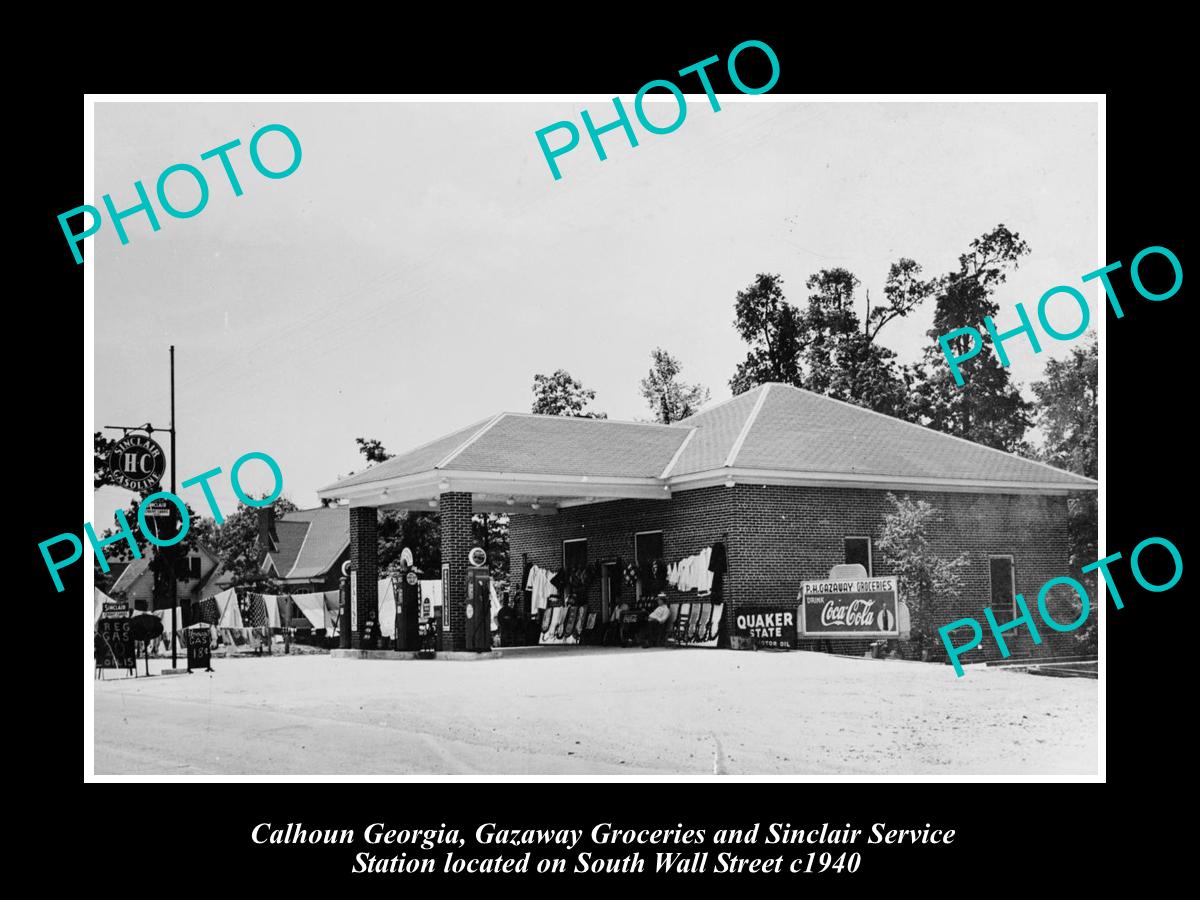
{"x": 606, "y": 712}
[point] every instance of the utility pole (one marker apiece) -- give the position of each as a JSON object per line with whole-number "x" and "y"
{"x": 174, "y": 574}
{"x": 168, "y": 559}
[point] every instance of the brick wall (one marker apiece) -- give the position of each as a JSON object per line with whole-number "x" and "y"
{"x": 777, "y": 537}
{"x": 690, "y": 521}
{"x": 454, "y": 511}
{"x": 795, "y": 534}
{"x": 364, "y": 555}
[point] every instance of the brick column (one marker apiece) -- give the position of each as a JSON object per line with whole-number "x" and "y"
{"x": 455, "y": 510}
{"x": 364, "y": 557}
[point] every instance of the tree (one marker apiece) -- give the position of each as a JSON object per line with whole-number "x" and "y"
{"x": 119, "y": 551}
{"x": 1067, "y": 412}
{"x": 1069, "y": 421}
{"x": 491, "y": 533}
{"x": 828, "y": 348}
{"x": 668, "y": 398}
{"x": 771, "y": 326}
{"x": 840, "y": 355}
{"x": 421, "y": 532}
{"x": 239, "y": 550}
{"x": 987, "y": 408}
{"x": 101, "y": 448}
{"x": 373, "y": 450}
{"x": 927, "y": 582}
{"x": 561, "y": 395}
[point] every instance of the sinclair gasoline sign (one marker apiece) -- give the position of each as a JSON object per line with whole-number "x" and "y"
{"x": 850, "y": 608}
{"x": 136, "y": 461}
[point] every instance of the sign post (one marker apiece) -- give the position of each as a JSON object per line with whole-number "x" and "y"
{"x": 137, "y": 463}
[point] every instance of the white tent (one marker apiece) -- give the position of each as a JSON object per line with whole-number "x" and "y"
{"x": 99, "y": 598}
{"x": 312, "y": 607}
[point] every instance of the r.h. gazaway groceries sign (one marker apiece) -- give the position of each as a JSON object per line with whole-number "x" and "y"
{"x": 849, "y": 608}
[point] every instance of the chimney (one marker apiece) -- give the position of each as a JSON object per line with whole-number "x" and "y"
{"x": 267, "y": 538}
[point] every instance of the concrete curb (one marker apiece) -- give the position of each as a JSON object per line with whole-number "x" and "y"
{"x": 402, "y": 655}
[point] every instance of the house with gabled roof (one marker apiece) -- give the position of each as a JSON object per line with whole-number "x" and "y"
{"x": 196, "y": 575}
{"x": 789, "y": 482}
{"x": 304, "y": 550}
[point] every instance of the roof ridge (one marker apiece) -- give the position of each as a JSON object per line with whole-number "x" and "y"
{"x": 678, "y": 453}
{"x": 469, "y": 441}
{"x": 955, "y": 437}
{"x": 747, "y": 425}
{"x": 675, "y": 425}
{"x": 428, "y": 443}
{"x": 724, "y": 402}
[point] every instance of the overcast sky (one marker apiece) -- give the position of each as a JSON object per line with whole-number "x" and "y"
{"x": 421, "y": 265}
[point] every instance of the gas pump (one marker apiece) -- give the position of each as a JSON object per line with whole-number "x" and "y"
{"x": 479, "y": 604}
{"x": 408, "y": 606}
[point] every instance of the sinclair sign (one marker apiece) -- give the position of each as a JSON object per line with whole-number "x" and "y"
{"x": 136, "y": 462}
{"x": 849, "y": 608}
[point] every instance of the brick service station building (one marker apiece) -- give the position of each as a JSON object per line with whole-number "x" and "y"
{"x": 791, "y": 482}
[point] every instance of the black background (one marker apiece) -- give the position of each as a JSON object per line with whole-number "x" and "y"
{"x": 1004, "y": 831}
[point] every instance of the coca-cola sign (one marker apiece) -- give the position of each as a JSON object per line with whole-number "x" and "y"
{"x": 850, "y": 608}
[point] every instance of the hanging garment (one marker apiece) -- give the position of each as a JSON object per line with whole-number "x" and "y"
{"x": 701, "y": 573}
{"x": 700, "y": 611}
{"x": 679, "y": 622}
{"x": 387, "y": 608}
{"x": 569, "y": 620}
{"x": 312, "y": 607}
{"x": 659, "y": 575}
{"x": 541, "y": 584}
{"x": 495, "y": 605}
{"x": 231, "y": 616}
{"x": 702, "y": 622}
{"x": 207, "y": 611}
{"x": 714, "y": 624}
{"x": 333, "y": 611}
{"x": 271, "y": 609}
{"x": 673, "y": 574}
{"x": 552, "y": 620}
{"x": 630, "y": 575}
{"x": 559, "y": 580}
{"x": 716, "y": 559}
{"x": 645, "y": 576}
{"x": 254, "y": 611}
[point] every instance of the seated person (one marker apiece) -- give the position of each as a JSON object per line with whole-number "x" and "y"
{"x": 612, "y": 628}
{"x": 506, "y": 619}
{"x": 655, "y": 629}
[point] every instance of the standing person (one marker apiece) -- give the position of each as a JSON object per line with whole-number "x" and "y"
{"x": 506, "y": 618}
{"x": 656, "y": 624}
